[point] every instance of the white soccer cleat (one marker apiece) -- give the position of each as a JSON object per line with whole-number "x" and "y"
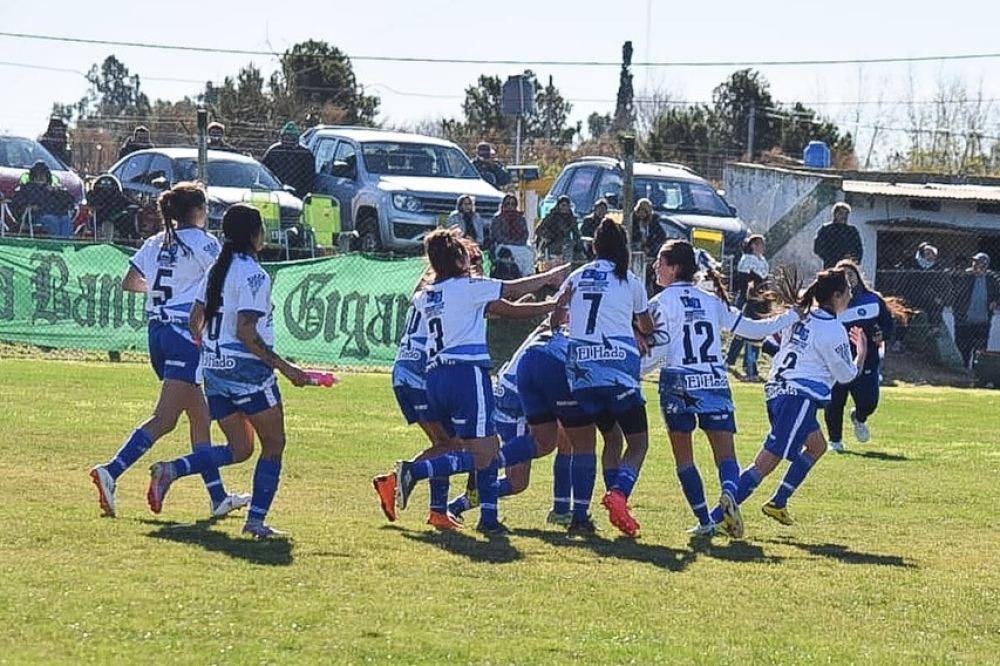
{"x": 861, "y": 431}
{"x": 232, "y": 502}
{"x": 700, "y": 530}
{"x": 105, "y": 490}
{"x": 837, "y": 446}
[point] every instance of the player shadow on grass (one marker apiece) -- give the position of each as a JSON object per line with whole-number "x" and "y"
{"x": 467, "y": 543}
{"x": 273, "y": 552}
{"x": 840, "y": 552}
{"x": 875, "y": 455}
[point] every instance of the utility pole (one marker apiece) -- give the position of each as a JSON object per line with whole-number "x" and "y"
{"x": 750, "y": 128}
{"x": 203, "y": 146}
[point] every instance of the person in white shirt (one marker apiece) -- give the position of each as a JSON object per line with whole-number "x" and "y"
{"x": 815, "y": 354}
{"x": 751, "y": 273}
{"x": 686, "y": 345}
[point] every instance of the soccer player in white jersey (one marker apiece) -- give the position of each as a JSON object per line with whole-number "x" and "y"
{"x": 168, "y": 268}
{"x": 693, "y": 383}
{"x": 458, "y": 382}
{"x": 233, "y": 313}
{"x": 815, "y": 354}
{"x": 608, "y": 306}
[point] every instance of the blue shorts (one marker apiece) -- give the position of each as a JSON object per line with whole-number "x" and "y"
{"x": 510, "y": 426}
{"x": 793, "y": 419}
{"x": 462, "y": 396}
{"x": 414, "y": 405}
{"x": 725, "y": 422}
{"x": 220, "y": 406}
{"x": 544, "y": 391}
{"x": 615, "y": 400}
{"x": 172, "y": 355}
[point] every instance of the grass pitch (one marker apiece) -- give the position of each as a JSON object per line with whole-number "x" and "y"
{"x": 894, "y": 559}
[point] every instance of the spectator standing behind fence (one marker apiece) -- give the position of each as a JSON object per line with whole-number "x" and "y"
{"x": 56, "y": 140}
{"x": 508, "y": 226}
{"x": 47, "y": 202}
{"x": 751, "y": 273}
{"x": 138, "y": 141}
{"x": 588, "y": 227}
{"x": 467, "y": 220}
{"x": 647, "y": 234}
{"x": 291, "y": 162}
{"x": 838, "y": 240}
{"x": 977, "y": 296}
{"x": 490, "y": 169}
{"x": 217, "y": 138}
{"x": 926, "y": 289}
{"x": 558, "y": 234}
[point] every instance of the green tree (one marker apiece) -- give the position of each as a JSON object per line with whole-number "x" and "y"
{"x": 598, "y": 126}
{"x": 800, "y": 125}
{"x": 114, "y": 92}
{"x": 745, "y": 94}
{"x": 483, "y": 110}
{"x": 686, "y": 135}
{"x": 318, "y": 79}
{"x": 483, "y": 107}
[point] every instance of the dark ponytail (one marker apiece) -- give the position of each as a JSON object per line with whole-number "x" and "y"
{"x": 444, "y": 248}
{"x": 240, "y": 226}
{"x": 177, "y": 206}
{"x": 611, "y": 243}
{"x": 823, "y": 288}
{"x": 682, "y": 254}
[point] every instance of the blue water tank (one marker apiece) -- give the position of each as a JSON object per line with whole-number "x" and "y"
{"x": 816, "y": 155}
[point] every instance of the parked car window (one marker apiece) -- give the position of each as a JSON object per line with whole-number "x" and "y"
{"x": 580, "y": 189}
{"x": 347, "y": 154}
{"x": 324, "y": 155}
{"x": 133, "y": 170}
{"x": 415, "y": 159}
{"x": 231, "y": 173}
{"x": 159, "y": 168}
{"x": 610, "y": 184}
{"x": 18, "y": 153}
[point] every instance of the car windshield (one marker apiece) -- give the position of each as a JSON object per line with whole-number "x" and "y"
{"x": 231, "y": 173}
{"x": 416, "y": 159}
{"x": 18, "y": 153}
{"x": 677, "y": 196}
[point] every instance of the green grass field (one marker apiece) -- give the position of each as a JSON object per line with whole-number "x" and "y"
{"x": 895, "y": 557}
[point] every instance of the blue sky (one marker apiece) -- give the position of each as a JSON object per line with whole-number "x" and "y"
{"x": 857, "y": 97}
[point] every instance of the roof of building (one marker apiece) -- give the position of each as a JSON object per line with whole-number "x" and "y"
{"x": 924, "y": 190}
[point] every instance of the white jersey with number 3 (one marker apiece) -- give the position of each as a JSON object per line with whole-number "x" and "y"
{"x": 454, "y": 310}
{"x": 173, "y": 275}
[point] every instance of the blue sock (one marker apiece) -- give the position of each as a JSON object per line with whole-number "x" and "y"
{"x": 748, "y": 482}
{"x": 211, "y": 476}
{"x": 504, "y": 488}
{"x": 694, "y": 492}
{"x": 459, "y": 505}
{"x": 134, "y": 448}
{"x": 265, "y": 485}
{"x": 439, "y": 493}
{"x": 486, "y": 484}
{"x": 204, "y": 458}
{"x": 562, "y": 482}
{"x": 610, "y": 476}
{"x": 729, "y": 475}
{"x": 519, "y": 450}
{"x": 794, "y": 477}
{"x": 454, "y": 462}
{"x": 625, "y": 482}
{"x": 584, "y": 476}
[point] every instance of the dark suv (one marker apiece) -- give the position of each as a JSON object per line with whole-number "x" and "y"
{"x": 687, "y": 204}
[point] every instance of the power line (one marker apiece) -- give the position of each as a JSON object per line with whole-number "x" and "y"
{"x": 546, "y": 63}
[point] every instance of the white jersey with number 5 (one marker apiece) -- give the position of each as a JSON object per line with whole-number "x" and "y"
{"x": 602, "y": 348}
{"x": 454, "y": 310}
{"x": 815, "y": 354}
{"x": 230, "y": 367}
{"x": 173, "y": 275}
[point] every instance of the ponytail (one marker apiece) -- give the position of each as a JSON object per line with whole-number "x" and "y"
{"x": 689, "y": 262}
{"x": 241, "y": 225}
{"x": 611, "y": 243}
{"x": 177, "y": 205}
{"x": 216, "y": 278}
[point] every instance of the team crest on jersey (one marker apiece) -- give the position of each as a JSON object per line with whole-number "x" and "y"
{"x": 800, "y": 334}
{"x": 211, "y": 249}
{"x": 255, "y": 282}
{"x": 434, "y": 297}
{"x": 692, "y": 308}
{"x": 593, "y": 276}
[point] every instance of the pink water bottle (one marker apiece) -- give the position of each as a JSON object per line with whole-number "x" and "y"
{"x": 320, "y": 378}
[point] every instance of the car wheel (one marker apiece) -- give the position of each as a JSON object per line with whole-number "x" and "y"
{"x": 369, "y": 239}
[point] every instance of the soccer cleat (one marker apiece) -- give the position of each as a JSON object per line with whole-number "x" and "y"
{"x": 731, "y": 515}
{"x": 837, "y": 446}
{"x": 260, "y": 531}
{"x": 618, "y": 513}
{"x": 405, "y": 483}
{"x": 105, "y": 490}
{"x": 385, "y": 486}
{"x": 444, "y": 521}
{"x": 699, "y": 530}
{"x": 777, "y": 513}
{"x": 232, "y": 502}
{"x": 495, "y": 530}
{"x": 161, "y": 475}
{"x": 861, "y": 431}
{"x": 557, "y": 518}
{"x": 581, "y": 527}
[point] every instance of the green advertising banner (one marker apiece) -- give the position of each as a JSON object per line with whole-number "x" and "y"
{"x": 343, "y": 310}
{"x": 68, "y": 295}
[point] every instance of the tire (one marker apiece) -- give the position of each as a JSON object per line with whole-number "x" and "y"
{"x": 369, "y": 239}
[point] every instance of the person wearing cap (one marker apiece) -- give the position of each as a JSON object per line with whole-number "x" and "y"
{"x": 291, "y": 162}
{"x": 138, "y": 141}
{"x": 977, "y": 296}
{"x": 217, "y": 138}
{"x": 837, "y": 239}
{"x": 490, "y": 169}
{"x": 46, "y": 202}
{"x": 926, "y": 287}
